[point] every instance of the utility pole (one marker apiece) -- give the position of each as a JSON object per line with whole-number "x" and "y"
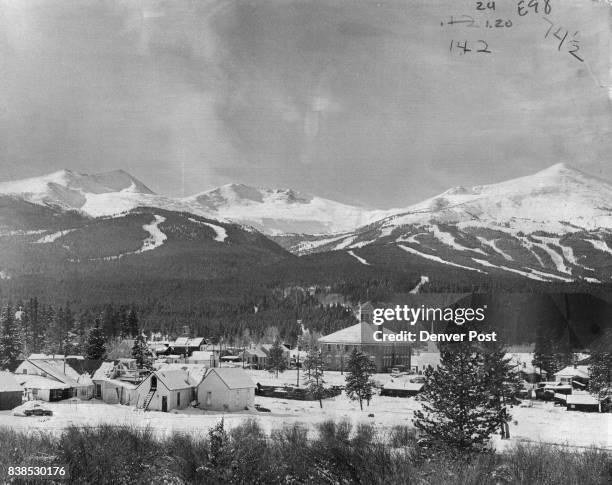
{"x": 297, "y": 347}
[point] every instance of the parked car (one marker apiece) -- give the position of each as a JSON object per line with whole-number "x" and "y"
{"x": 37, "y": 410}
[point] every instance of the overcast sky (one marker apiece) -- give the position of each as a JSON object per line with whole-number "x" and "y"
{"x": 358, "y": 101}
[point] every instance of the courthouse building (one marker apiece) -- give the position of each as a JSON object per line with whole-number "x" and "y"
{"x": 336, "y": 348}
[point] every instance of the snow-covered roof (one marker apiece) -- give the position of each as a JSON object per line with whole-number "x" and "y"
{"x": 424, "y": 359}
{"x": 403, "y": 384}
{"x": 232, "y": 377}
{"x": 8, "y": 382}
{"x": 85, "y": 380}
{"x": 188, "y": 342}
{"x": 104, "y": 371}
{"x": 360, "y": 333}
{"x": 581, "y": 399}
{"x": 125, "y": 384}
{"x": 174, "y": 379}
{"x": 195, "y": 372}
{"x": 56, "y": 370}
{"x": 201, "y": 355}
{"x": 256, "y": 352}
{"x": 522, "y": 361}
{"x": 574, "y": 371}
{"x": 30, "y": 381}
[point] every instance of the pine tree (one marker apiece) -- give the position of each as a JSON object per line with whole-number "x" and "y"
{"x": 35, "y": 336}
{"x": 359, "y": 383}
{"x": 457, "y": 411}
{"x": 276, "y": 360}
{"x": 502, "y": 382}
{"x": 54, "y": 335}
{"x": 600, "y": 368}
{"x": 315, "y": 366}
{"x": 96, "y": 344}
{"x": 10, "y": 339}
{"x": 131, "y": 324}
{"x": 543, "y": 354}
{"x": 22, "y": 319}
{"x": 42, "y": 339}
{"x": 140, "y": 352}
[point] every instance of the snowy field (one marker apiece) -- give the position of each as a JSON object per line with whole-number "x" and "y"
{"x": 532, "y": 421}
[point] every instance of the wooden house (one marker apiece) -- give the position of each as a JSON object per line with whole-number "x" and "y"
{"x": 11, "y": 393}
{"x": 48, "y": 380}
{"x": 255, "y": 357}
{"x": 226, "y": 389}
{"x": 164, "y": 390}
{"x": 582, "y": 402}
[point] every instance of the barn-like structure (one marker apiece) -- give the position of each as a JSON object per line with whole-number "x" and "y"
{"x": 11, "y": 393}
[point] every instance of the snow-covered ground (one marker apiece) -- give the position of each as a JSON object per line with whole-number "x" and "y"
{"x": 220, "y": 232}
{"x": 410, "y": 250}
{"x": 359, "y": 258}
{"x": 533, "y": 421}
{"x": 49, "y": 238}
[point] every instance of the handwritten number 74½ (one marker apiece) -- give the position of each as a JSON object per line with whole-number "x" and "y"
{"x": 574, "y": 42}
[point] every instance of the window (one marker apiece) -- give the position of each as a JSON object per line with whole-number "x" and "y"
{"x": 24, "y": 371}
{"x": 178, "y": 398}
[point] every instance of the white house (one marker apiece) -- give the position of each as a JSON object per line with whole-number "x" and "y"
{"x": 110, "y": 390}
{"x": 202, "y": 357}
{"x": 164, "y": 390}
{"x": 226, "y": 389}
{"x": 48, "y": 380}
{"x": 571, "y": 372}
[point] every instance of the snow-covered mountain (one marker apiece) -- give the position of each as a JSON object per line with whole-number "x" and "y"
{"x": 557, "y": 199}
{"x": 554, "y": 225}
{"x": 95, "y": 195}
{"x": 281, "y": 211}
{"x": 271, "y": 211}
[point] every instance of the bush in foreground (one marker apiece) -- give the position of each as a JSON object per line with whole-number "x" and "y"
{"x": 334, "y": 453}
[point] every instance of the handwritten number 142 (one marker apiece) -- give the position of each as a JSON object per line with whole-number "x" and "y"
{"x": 463, "y": 47}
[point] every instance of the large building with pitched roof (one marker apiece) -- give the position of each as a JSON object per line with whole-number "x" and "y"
{"x": 336, "y": 348}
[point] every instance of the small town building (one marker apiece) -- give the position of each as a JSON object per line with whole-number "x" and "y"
{"x": 401, "y": 387}
{"x": 422, "y": 359}
{"x": 48, "y": 380}
{"x": 582, "y": 402}
{"x": 336, "y": 348}
{"x": 267, "y": 348}
{"x": 165, "y": 390}
{"x": 255, "y": 358}
{"x": 11, "y": 393}
{"x": 111, "y": 390}
{"x": 203, "y": 357}
{"x": 226, "y": 389}
{"x": 41, "y": 388}
{"x": 572, "y": 374}
{"x": 186, "y": 346}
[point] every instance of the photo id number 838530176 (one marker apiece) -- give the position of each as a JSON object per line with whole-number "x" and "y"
{"x": 37, "y": 471}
